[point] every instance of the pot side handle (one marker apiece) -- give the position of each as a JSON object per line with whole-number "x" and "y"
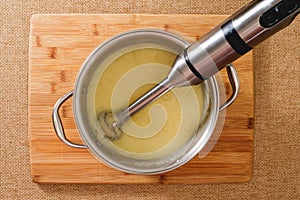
{"x": 57, "y": 124}
{"x": 58, "y": 127}
{"x": 235, "y": 85}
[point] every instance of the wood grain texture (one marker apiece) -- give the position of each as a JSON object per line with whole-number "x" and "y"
{"x": 59, "y": 44}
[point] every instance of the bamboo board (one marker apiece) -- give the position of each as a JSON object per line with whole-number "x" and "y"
{"x": 59, "y": 44}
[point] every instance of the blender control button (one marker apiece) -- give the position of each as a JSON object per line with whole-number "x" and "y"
{"x": 278, "y": 13}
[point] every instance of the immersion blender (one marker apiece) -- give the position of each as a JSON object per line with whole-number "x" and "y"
{"x": 230, "y": 40}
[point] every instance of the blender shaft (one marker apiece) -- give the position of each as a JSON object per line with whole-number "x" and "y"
{"x": 160, "y": 89}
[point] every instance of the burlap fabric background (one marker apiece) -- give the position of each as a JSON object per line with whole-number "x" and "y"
{"x": 277, "y": 92}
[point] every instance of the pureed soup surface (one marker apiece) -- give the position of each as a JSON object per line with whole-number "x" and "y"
{"x": 163, "y": 126}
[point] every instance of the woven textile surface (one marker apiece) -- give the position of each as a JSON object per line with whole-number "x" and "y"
{"x": 276, "y": 167}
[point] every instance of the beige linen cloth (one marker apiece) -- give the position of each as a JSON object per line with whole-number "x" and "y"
{"x": 276, "y": 165}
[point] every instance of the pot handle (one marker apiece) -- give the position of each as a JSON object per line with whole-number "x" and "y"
{"x": 57, "y": 124}
{"x": 235, "y": 85}
{"x": 58, "y": 127}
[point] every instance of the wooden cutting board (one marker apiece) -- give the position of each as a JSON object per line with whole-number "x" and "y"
{"x": 59, "y": 44}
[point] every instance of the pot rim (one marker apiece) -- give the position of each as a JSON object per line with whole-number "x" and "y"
{"x": 79, "y": 90}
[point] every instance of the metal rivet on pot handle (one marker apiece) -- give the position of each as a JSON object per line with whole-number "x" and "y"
{"x": 235, "y": 84}
{"x": 58, "y": 127}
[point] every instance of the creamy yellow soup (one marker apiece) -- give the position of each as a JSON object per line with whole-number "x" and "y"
{"x": 163, "y": 126}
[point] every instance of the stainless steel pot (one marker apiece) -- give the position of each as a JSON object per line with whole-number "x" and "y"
{"x": 82, "y": 110}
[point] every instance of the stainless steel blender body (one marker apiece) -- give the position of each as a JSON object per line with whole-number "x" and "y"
{"x": 225, "y": 43}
